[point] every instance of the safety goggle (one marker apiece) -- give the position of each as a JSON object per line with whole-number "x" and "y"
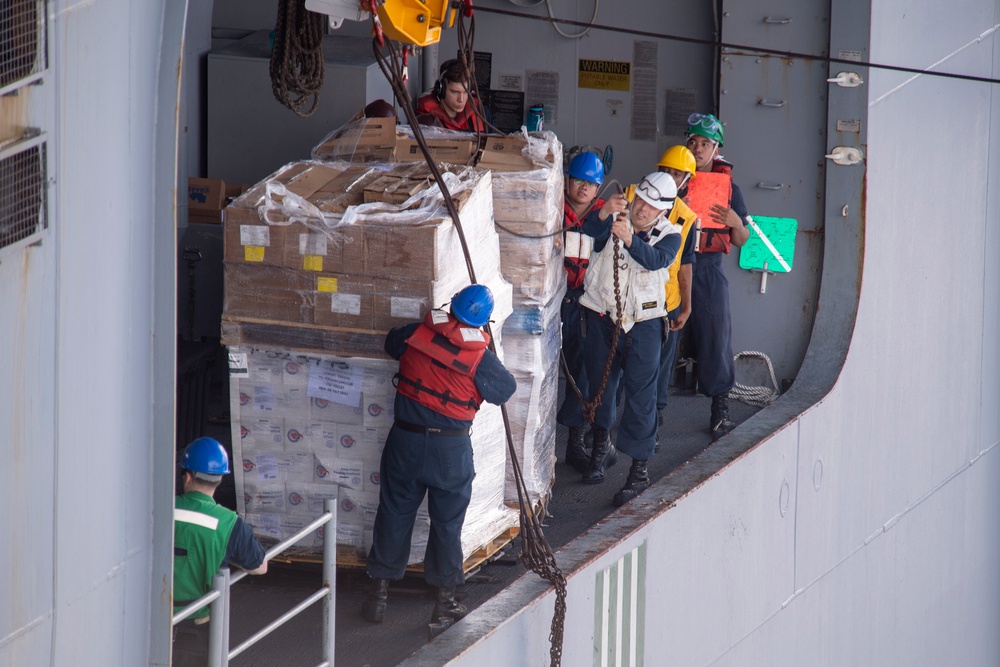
{"x": 652, "y": 192}
{"x": 577, "y": 182}
{"x": 705, "y": 121}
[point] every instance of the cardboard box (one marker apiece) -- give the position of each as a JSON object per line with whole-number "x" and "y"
{"x": 393, "y": 190}
{"x": 506, "y": 154}
{"x": 399, "y": 302}
{"x": 207, "y": 197}
{"x": 247, "y": 238}
{"x": 365, "y": 140}
{"x": 409, "y": 252}
{"x": 343, "y": 301}
{"x": 268, "y": 293}
{"x": 452, "y": 151}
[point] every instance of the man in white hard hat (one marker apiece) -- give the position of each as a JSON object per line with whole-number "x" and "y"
{"x": 648, "y": 244}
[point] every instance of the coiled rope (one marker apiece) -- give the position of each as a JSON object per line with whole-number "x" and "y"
{"x": 296, "y": 66}
{"x": 760, "y": 397}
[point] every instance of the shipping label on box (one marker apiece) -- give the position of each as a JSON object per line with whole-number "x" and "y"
{"x": 262, "y": 466}
{"x": 264, "y": 497}
{"x": 265, "y": 524}
{"x": 262, "y": 432}
{"x": 330, "y": 411}
{"x": 322, "y": 435}
{"x": 332, "y": 469}
{"x": 343, "y": 301}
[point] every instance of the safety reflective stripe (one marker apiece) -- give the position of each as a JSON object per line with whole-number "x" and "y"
{"x": 578, "y": 246}
{"x": 197, "y": 518}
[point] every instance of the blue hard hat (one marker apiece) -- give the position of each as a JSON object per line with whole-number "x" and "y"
{"x": 473, "y": 305}
{"x": 205, "y": 455}
{"x": 587, "y": 167}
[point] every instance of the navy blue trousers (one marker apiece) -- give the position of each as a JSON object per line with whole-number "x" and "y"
{"x": 637, "y": 360}
{"x": 711, "y": 326}
{"x": 414, "y": 464}
{"x": 573, "y": 323}
{"x": 668, "y": 357}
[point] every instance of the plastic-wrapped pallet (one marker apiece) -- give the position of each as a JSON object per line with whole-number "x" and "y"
{"x": 308, "y": 427}
{"x": 310, "y": 264}
{"x": 321, "y": 260}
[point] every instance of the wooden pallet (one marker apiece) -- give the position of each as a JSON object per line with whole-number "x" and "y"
{"x": 348, "y": 557}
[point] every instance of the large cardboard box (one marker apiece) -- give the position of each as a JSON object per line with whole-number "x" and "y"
{"x": 453, "y": 151}
{"x": 344, "y": 301}
{"x": 207, "y": 197}
{"x": 364, "y": 140}
{"x": 507, "y": 154}
{"x": 272, "y": 293}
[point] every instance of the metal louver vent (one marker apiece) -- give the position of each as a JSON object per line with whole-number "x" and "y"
{"x": 22, "y": 193}
{"x": 22, "y": 40}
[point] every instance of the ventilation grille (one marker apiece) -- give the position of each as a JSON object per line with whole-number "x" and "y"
{"x": 22, "y": 40}
{"x": 22, "y": 194}
{"x": 620, "y": 612}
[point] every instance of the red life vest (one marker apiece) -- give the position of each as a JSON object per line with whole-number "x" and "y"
{"x": 714, "y": 239}
{"x": 439, "y": 364}
{"x": 577, "y": 257}
{"x": 467, "y": 121}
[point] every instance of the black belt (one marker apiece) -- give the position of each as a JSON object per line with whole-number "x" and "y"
{"x": 430, "y": 430}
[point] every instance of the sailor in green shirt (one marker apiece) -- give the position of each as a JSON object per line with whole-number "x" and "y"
{"x": 206, "y": 536}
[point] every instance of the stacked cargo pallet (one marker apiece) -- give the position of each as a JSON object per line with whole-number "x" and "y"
{"x": 527, "y": 202}
{"x": 322, "y": 259}
{"x": 527, "y": 205}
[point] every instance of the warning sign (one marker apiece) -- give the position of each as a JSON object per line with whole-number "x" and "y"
{"x": 604, "y": 75}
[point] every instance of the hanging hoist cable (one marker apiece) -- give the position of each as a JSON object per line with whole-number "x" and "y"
{"x": 536, "y": 554}
{"x": 296, "y": 66}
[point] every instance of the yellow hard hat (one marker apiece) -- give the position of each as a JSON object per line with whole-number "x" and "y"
{"x": 680, "y": 158}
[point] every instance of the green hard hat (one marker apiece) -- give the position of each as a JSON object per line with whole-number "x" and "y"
{"x": 705, "y": 125}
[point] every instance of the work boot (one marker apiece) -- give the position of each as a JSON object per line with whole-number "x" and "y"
{"x": 447, "y": 610}
{"x": 576, "y": 450}
{"x": 373, "y": 608}
{"x": 603, "y": 455}
{"x": 720, "y": 422}
{"x": 637, "y": 482}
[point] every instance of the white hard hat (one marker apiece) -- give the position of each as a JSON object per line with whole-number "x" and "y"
{"x": 658, "y": 190}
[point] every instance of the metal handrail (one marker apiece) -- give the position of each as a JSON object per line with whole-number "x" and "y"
{"x": 219, "y": 653}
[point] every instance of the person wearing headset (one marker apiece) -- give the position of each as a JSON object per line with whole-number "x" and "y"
{"x": 450, "y": 101}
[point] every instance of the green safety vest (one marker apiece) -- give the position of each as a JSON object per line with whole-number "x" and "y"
{"x": 201, "y": 529}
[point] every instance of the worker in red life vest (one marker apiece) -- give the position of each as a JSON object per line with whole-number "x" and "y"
{"x": 710, "y": 325}
{"x": 450, "y": 101}
{"x": 446, "y": 371}
{"x": 584, "y": 176}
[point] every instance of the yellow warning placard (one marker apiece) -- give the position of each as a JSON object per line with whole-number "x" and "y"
{"x": 604, "y": 74}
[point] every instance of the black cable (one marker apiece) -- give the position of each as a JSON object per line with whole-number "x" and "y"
{"x": 738, "y": 47}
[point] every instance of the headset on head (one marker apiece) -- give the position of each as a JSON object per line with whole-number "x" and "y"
{"x": 440, "y": 87}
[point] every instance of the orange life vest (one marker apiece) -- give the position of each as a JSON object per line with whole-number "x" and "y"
{"x": 439, "y": 364}
{"x": 714, "y": 237}
{"x": 576, "y": 245}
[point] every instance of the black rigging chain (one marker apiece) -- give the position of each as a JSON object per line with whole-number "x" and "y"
{"x": 296, "y": 65}
{"x": 536, "y": 554}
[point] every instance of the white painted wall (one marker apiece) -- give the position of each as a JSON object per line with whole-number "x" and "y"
{"x": 83, "y": 416}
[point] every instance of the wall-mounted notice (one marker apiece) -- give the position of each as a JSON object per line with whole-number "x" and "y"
{"x": 507, "y": 109}
{"x": 510, "y": 82}
{"x": 680, "y": 103}
{"x": 604, "y": 74}
{"x": 542, "y": 88}
{"x": 643, "y": 126}
{"x": 483, "y": 62}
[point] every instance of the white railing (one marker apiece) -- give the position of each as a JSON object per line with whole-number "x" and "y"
{"x": 219, "y": 651}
